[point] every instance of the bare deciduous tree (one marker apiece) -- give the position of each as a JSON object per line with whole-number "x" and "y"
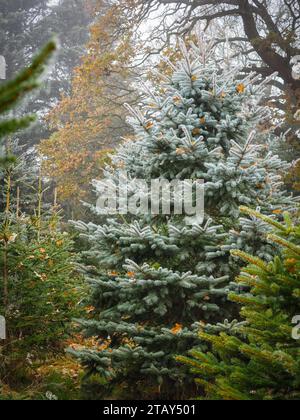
{"x": 269, "y": 30}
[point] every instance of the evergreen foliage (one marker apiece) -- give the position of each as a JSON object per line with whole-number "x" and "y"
{"x": 12, "y": 92}
{"x": 25, "y": 26}
{"x": 258, "y": 359}
{"x": 40, "y": 292}
{"x": 156, "y": 278}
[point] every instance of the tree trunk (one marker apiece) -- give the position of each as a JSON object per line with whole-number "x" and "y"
{"x": 275, "y": 62}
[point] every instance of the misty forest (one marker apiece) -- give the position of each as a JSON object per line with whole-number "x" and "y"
{"x": 106, "y": 292}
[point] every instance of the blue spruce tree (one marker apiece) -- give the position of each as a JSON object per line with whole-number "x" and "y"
{"x": 155, "y": 278}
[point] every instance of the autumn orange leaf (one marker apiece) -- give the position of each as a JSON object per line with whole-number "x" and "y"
{"x": 131, "y": 274}
{"x": 177, "y": 329}
{"x": 180, "y": 151}
{"x": 290, "y": 264}
{"x": 89, "y": 309}
{"x": 196, "y": 131}
{"x": 113, "y": 273}
{"x": 241, "y": 88}
{"x": 149, "y": 125}
{"x": 291, "y": 261}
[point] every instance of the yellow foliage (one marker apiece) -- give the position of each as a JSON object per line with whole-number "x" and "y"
{"x": 66, "y": 367}
{"x": 89, "y": 122}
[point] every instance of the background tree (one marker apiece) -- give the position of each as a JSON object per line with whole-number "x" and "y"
{"x": 87, "y": 122}
{"x": 25, "y": 26}
{"x": 11, "y": 93}
{"x": 271, "y": 29}
{"x": 259, "y": 358}
{"x": 17, "y": 21}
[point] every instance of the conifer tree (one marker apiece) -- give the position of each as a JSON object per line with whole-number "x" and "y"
{"x": 36, "y": 260}
{"x": 258, "y": 359}
{"x": 38, "y": 289}
{"x": 155, "y": 278}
